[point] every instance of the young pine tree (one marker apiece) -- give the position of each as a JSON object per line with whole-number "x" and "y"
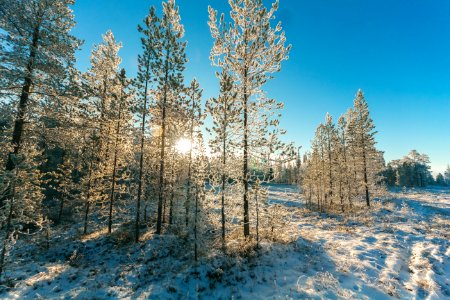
{"x": 195, "y": 119}
{"x": 102, "y": 90}
{"x": 226, "y": 116}
{"x": 250, "y": 50}
{"x": 367, "y": 157}
{"x": 143, "y": 81}
{"x": 121, "y": 145}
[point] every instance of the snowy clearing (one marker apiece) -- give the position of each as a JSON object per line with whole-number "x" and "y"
{"x": 399, "y": 250}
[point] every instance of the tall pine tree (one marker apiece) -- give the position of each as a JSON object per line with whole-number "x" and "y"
{"x": 250, "y": 50}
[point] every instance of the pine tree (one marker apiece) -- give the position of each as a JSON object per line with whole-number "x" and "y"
{"x": 195, "y": 118}
{"x": 343, "y": 163}
{"x": 226, "y": 116}
{"x": 168, "y": 68}
{"x": 198, "y": 180}
{"x": 447, "y": 175}
{"x": 411, "y": 170}
{"x": 363, "y": 143}
{"x": 102, "y": 90}
{"x": 250, "y": 50}
{"x": 64, "y": 184}
{"x": 329, "y": 132}
{"x": 23, "y": 193}
{"x": 146, "y": 63}
{"x": 344, "y": 160}
{"x": 440, "y": 180}
{"x": 37, "y": 52}
{"x": 122, "y": 118}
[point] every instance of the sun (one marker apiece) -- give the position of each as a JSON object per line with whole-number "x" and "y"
{"x": 183, "y": 146}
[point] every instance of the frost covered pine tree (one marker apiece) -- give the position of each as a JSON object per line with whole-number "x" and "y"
{"x": 225, "y": 116}
{"x": 103, "y": 88}
{"x": 329, "y": 136}
{"x": 250, "y": 50}
{"x": 168, "y": 70}
{"x": 343, "y": 163}
{"x": 63, "y": 183}
{"x": 199, "y": 166}
{"x": 368, "y": 161}
{"x": 121, "y": 116}
{"x": 143, "y": 84}
{"x": 37, "y": 52}
{"x": 160, "y": 77}
{"x": 195, "y": 120}
{"x": 23, "y": 193}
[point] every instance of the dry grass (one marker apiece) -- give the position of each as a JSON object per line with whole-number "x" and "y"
{"x": 94, "y": 235}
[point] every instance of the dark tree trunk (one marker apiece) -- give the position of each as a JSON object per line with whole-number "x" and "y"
{"x": 164, "y": 212}
{"x": 113, "y": 180}
{"x": 366, "y": 181}
{"x": 224, "y": 160}
{"x": 330, "y": 192}
{"x": 19, "y": 122}
{"x": 7, "y": 229}
{"x": 195, "y": 226}
{"x": 257, "y": 216}
{"x": 223, "y": 212}
{"x": 88, "y": 196}
{"x": 191, "y": 132}
{"x": 61, "y": 207}
{"x": 23, "y": 102}
{"x": 245, "y": 167}
{"x": 366, "y": 184}
{"x": 172, "y": 193}
{"x": 141, "y": 158}
{"x": 188, "y": 189}
{"x": 163, "y": 149}
{"x": 161, "y": 173}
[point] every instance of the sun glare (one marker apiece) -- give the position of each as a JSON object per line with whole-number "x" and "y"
{"x": 183, "y": 146}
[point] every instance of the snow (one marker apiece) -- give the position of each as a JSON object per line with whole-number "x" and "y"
{"x": 399, "y": 249}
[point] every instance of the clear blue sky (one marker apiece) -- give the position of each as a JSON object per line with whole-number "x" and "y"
{"x": 397, "y": 51}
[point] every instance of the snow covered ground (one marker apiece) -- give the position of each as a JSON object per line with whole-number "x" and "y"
{"x": 400, "y": 249}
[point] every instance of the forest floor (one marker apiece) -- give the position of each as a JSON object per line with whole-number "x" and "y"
{"x": 400, "y": 249}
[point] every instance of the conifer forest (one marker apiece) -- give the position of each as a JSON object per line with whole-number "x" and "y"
{"x": 119, "y": 183}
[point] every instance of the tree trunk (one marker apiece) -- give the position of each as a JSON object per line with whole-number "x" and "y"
{"x": 257, "y": 216}
{"x": 224, "y": 160}
{"x": 23, "y": 103}
{"x": 195, "y": 226}
{"x": 61, "y": 207}
{"x": 88, "y": 196}
{"x": 19, "y": 122}
{"x": 8, "y": 227}
{"x": 141, "y": 159}
{"x": 245, "y": 167}
{"x": 366, "y": 184}
{"x": 164, "y": 211}
{"x": 330, "y": 192}
{"x": 113, "y": 181}
{"x": 191, "y": 132}
{"x": 341, "y": 195}
{"x": 163, "y": 148}
{"x": 172, "y": 192}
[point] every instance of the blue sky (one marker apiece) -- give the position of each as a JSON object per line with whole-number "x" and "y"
{"x": 396, "y": 51}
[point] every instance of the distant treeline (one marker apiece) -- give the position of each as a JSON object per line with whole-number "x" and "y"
{"x": 413, "y": 170}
